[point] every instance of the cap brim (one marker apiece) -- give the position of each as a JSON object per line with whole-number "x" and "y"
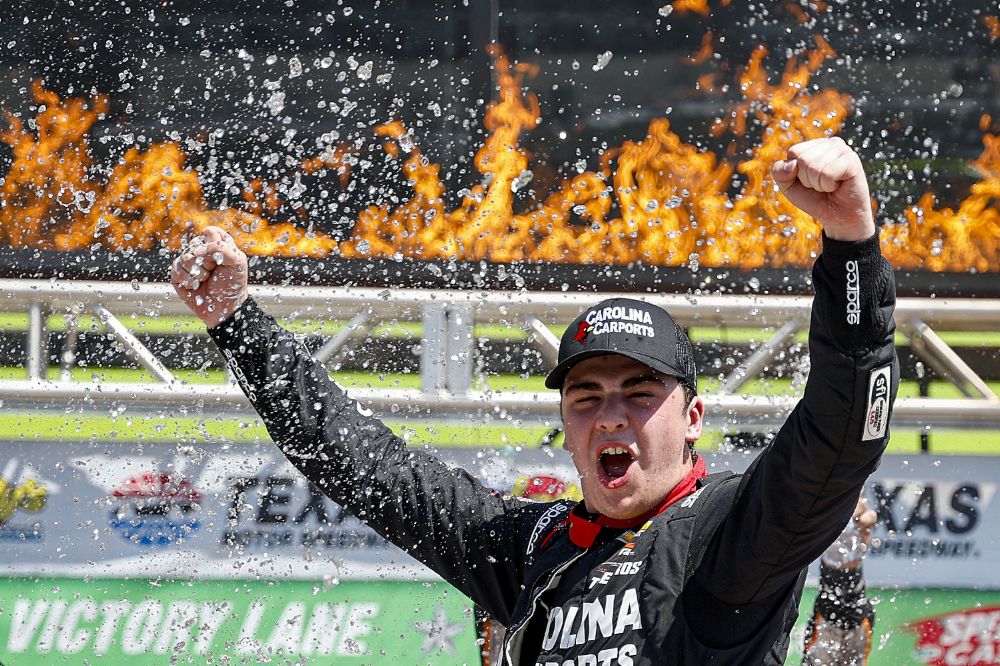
{"x": 557, "y": 377}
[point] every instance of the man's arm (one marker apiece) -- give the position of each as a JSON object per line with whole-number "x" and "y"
{"x": 804, "y": 487}
{"x": 442, "y": 516}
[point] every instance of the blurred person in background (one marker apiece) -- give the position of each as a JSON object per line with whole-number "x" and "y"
{"x": 660, "y": 562}
{"x": 840, "y": 629}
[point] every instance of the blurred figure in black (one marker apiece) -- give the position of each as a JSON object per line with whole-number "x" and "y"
{"x": 840, "y": 629}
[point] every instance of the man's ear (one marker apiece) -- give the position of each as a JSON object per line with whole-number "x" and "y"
{"x": 695, "y": 419}
{"x": 562, "y": 420}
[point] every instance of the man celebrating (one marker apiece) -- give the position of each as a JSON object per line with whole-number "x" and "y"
{"x": 659, "y": 563}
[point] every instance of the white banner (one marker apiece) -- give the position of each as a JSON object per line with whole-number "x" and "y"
{"x": 241, "y": 510}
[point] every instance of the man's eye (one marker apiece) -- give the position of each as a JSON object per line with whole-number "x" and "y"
{"x": 585, "y": 400}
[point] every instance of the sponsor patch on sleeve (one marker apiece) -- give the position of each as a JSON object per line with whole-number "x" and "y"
{"x": 877, "y": 411}
{"x": 545, "y": 523}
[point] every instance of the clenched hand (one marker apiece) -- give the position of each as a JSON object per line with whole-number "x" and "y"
{"x": 210, "y": 276}
{"x": 824, "y": 178}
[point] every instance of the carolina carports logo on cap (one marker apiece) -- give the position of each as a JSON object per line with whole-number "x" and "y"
{"x": 615, "y": 319}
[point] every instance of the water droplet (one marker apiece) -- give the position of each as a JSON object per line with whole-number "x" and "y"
{"x": 665, "y": 10}
{"x": 602, "y": 61}
{"x": 522, "y": 180}
{"x": 406, "y": 142}
{"x": 294, "y": 67}
{"x": 276, "y": 102}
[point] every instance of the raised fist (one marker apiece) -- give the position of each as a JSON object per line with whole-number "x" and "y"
{"x": 824, "y": 178}
{"x": 210, "y": 276}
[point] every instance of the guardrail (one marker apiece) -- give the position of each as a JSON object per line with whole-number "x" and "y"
{"x": 447, "y": 349}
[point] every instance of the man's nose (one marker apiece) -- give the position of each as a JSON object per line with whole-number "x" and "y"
{"x": 612, "y": 416}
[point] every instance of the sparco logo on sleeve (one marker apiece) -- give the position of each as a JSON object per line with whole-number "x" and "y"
{"x": 853, "y": 293}
{"x": 237, "y": 371}
{"x": 548, "y": 518}
{"x": 877, "y": 412}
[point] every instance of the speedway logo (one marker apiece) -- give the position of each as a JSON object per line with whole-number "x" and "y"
{"x": 155, "y": 509}
{"x": 963, "y": 638}
{"x": 274, "y": 511}
{"x": 929, "y": 519}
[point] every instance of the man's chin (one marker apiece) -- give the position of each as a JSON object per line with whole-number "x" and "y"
{"x": 621, "y": 509}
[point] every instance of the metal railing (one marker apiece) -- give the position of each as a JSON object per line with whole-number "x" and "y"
{"x": 447, "y": 347}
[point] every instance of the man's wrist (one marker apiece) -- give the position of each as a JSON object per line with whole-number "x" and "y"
{"x": 853, "y": 248}
{"x": 239, "y": 324}
{"x": 223, "y": 312}
{"x": 851, "y": 232}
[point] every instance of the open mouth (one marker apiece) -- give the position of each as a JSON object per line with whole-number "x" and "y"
{"x": 615, "y": 463}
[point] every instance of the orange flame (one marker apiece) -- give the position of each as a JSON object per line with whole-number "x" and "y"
{"x": 659, "y": 201}
{"x": 150, "y": 199}
{"x": 992, "y": 24}
{"x": 693, "y": 6}
{"x": 673, "y": 198}
{"x": 943, "y": 239}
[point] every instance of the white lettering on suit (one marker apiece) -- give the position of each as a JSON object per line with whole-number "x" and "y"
{"x": 594, "y": 620}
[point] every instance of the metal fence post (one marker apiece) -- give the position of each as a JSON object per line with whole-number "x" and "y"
{"x": 460, "y": 348}
{"x": 37, "y": 352}
{"x": 434, "y": 347}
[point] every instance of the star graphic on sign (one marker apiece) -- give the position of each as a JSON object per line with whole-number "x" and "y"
{"x": 439, "y": 632}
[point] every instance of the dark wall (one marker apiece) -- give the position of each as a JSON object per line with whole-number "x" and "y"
{"x": 221, "y": 76}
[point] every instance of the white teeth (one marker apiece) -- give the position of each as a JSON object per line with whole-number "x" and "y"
{"x": 615, "y": 450}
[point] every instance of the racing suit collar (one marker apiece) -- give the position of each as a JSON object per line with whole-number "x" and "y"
{"x": 584, "y": 527}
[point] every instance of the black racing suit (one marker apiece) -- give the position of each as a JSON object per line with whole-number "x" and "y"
{"x": 715, "y": 578}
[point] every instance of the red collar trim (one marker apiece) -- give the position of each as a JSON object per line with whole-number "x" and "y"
{"x": 583, "y": 531}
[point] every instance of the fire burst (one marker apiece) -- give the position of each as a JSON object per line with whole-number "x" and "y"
{"x": 675, "y": 203}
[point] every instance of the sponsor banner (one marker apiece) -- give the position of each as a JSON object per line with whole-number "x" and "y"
{"x": 137, "y": 622}
{"x": 217, "y": 511}
{"x": 937, "y": 627}
{"x": 938, "y": 522}
{"x": 243, "y": 511}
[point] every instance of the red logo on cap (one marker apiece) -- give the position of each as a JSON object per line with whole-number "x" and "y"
{"x": 581, "y": 333}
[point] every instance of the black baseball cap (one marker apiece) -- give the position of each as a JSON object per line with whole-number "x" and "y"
{"x": 632, "y": 328}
